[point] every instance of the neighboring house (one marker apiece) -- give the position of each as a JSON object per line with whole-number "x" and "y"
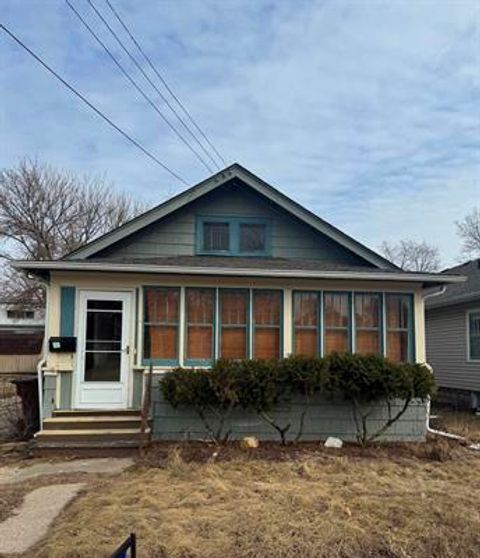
{"x": 453, "y": 337}
{"x": 230, "y": 268}
{"x": 21, "y": 336}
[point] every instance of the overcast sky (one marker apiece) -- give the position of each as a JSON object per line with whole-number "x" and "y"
{"x": 368, "y": 113}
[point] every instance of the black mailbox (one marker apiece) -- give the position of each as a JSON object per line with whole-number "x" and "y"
{"x": 62, "y": 344}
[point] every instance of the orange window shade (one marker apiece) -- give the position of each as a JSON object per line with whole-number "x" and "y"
{"x": 199, "y": 343}
{"x": 306, "y": 342}
{"x": 398, "y": 307}
{"x": 234, "y": 306}
{"x": 367, "y": 323}
{"x": 305, "y": 309}
{"x": 162, "y": 305}
{"x": 336, "y": 340}
{"x": 336, "y": 310}
{"x": 234, "y": 343}
{"x": 161, "y": 342}
{"x": 397, "y": 346}
{"x": 267, "y": 343}
{"x": 161, "y": 323}
{"x": 234, "y": 320}
{"x": 200, "y": 318}
{"x": 305, "y": 317}
{"x": 267, "y": 308}
{"x": 367, "y": 342}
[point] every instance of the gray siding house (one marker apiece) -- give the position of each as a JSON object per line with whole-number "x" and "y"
{"x": 230, "y": 268}
{"x": 453, "y": 337}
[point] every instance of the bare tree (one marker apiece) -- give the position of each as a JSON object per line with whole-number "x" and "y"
{"x": 469, "y": 231}
{"x": 45, "y": 213}
{"x": 412, "y": 256}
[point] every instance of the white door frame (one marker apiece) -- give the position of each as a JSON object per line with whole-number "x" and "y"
{"x": 103, "y": 395}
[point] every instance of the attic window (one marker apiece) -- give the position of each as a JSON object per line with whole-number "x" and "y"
{"x": 233, "y": 236}
{"x": 216, "y": 237}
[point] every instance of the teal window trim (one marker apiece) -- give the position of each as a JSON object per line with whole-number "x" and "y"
{"x": 319, "y": 326}
{"x": 248, "y": 328}
{"x": 411, "y": 333}
{"x": 355, "y": 329}
{"x": 268, "y": 326}
{"x": 67, "y": 311}
{"x": 234, "y": 223}
{"x": 472, "y": 315}
{"x": 160, "y": 361}
{"x": 349, "y": 327}
{"x": 200, "y": 362}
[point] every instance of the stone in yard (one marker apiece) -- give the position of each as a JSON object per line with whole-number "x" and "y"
{"x": 332, "y": 442}
{"x": 249, "y": 442}
{"x": 32, "y": 519}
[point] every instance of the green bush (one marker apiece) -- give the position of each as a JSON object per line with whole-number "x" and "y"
{"x": 260, "y": 385}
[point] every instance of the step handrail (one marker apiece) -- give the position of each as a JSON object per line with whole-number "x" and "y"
{"x": 146, "y": 402}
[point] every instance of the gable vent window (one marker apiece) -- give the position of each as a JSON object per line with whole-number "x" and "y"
{"x": 20, "y": 314}
{"x": 253, "y": 237}
{"x": 216, "y": 237}
{"x": 233, "y": 236}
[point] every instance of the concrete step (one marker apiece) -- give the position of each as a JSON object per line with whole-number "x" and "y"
{"x": 99, "y": 422}
{"x": 95, "y": 412}
{"x": 103, "y": 435}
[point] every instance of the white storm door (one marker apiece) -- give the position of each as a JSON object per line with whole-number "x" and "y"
{"x": 103, "y": 350}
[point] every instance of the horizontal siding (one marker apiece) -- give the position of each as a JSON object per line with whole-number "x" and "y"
{"x": 446, "y": 346}
{"x": 323, "y": 418}
{"x": 175, "y": 235}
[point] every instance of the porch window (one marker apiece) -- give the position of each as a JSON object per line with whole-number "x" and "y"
{"x": 161, "y": 325}
{"x": 367, "y": 323}
{"x": 337, "y": 323}
{"x": 200, "y": 312}
{"x": 474, "y": 335}
{"x": 306, "y": 323}
{"x": 234, "y": 312}
{"x": 399, "y": 324}
{"x": 267, "y": 320}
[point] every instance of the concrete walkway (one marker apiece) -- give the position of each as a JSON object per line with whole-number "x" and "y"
{"x": 111, "y": 465}
{"x": 33, "y": 518}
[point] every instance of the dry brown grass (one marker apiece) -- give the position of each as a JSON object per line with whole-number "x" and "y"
{"x": 464, "y": 423}
{"x": 344, "y": 504}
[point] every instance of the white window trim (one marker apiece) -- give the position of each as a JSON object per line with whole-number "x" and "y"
{"x": 467, "y": 329}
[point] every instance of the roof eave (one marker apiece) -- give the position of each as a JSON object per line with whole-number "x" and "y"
{"x": 85, "y": 266}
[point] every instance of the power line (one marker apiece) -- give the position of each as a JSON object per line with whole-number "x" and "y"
{"x": 135, "y": 84}
{"x": 91, "y": 106}
{"x": 146, "y": 76}
{"x": 162, "y": 79}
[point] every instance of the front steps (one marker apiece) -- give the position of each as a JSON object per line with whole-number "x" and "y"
{"x": 85, "y": 429}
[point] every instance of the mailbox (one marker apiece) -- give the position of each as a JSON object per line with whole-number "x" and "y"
{"x": 62, "y": 344}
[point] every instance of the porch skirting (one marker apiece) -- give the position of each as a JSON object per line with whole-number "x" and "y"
{"x": 323, "y": 418}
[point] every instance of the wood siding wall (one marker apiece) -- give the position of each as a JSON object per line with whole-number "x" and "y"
{"x": 175, "y": 236}
{"x": 323, "y": 418}
{"x": 446, "y": 346}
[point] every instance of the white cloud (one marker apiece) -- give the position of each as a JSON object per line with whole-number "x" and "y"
{"x": 366, "y": 112}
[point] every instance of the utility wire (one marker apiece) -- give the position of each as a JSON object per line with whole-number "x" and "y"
{"x": 146, "y": 76}
{"x": 91, "y": 106}
{"x": 162, "y": 79}
{"x": 135, "y": 84}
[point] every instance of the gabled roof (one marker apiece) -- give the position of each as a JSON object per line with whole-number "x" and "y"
{"x": 459, "y": 292}
{"x": 210, "y": 184}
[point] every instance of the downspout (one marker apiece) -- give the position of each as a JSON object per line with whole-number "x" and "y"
{"x": 43, "y": 360}
{"x": 431, "y": 430}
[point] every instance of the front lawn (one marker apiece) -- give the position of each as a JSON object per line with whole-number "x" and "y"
{"x": 195, "y": 501}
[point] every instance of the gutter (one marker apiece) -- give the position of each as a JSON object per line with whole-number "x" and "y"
{"x": 244, "y": 272}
